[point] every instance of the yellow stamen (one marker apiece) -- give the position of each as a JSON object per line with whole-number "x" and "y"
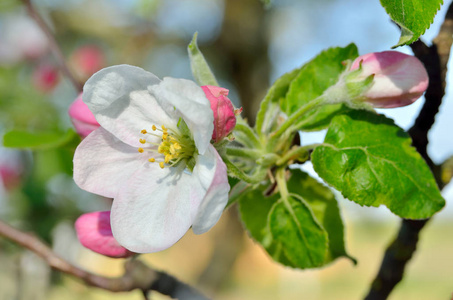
{"x": 161, "y": 164}
{"x": 151, "y": 159}
{"x": 172, "y": 149}
{"x": 177, "y": 145}
{"x": 164, "y": 136}
{"x": 168, "y": 157}
{"x": 140, "y": 150}
{"x": 142, "y": 141}
{"x": 144, "y": 131}
{"x": 154, "y": 127}
{"x": 161, "y": 149}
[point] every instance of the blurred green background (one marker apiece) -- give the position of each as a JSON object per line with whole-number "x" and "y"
{"x": 248, "y": 47}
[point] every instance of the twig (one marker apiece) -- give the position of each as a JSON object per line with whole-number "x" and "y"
{"x": 400, "y": 251}
{"x": 137, "y": 275}
{"x": 53, "y": 45}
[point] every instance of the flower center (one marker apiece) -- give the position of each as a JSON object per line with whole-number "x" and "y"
{"x": 176, "y": 146}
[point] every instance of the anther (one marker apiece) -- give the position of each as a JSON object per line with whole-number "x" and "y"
{"x": 154, "y": 127}
{"x": 140, "y": 150}
{"x": 164, "y": 136}
{"x": 152, "y": 159}
{"x": 142, "y": 141}
{"x": 144, "y": 131}
{"x": 161, "y": 164}
{"x": 163, "y": 128}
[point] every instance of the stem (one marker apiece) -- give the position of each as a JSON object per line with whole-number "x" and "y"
{"x": 249, "y": 134}
{"x": 282, "y": 187}
{"x": 243, "y": 152}
{"x": 137, "y": 275}
{"x": 234, "y": 171}
{"x": 294, "y": 117}
{"x": 296, "y": 153}
{"x": 53, "y": 45}
{"x": 395, "y": 259}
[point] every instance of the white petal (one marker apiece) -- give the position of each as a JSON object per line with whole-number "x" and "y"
{"x": 119, "y": 98}
{"x": 191, "y": 103}
{"x": 155, "y": 208}
{"x": 102, "y": 163}
{"x": 217, "y": 186}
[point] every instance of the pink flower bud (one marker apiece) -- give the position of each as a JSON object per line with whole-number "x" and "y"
{"x": 224, "y": 115}
{"x": 94, "y": 232}
{"x": 87, "y": 60}
{"x": 399, "y": 79}
{"x": 45, "y": 78}
{"x": 82, "y": 118}
{"x": 11, "y": 169}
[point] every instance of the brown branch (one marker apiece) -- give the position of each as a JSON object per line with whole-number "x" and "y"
{"x": 137, "y": 275}
{"x": 53, "y": 45}
{"x": 400, "y": 251}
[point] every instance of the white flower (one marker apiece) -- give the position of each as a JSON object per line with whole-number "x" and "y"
{"x": 152, "y": 154}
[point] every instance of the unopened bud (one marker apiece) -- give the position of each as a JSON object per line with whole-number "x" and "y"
{"x": 399, "y": 79}
{"x": 82, "y": 118}
{"x": 45, "y": 78}
{"x": 86, "y": 61}
{"x": 94, "y": 232}
{"x": 224, "y": 112}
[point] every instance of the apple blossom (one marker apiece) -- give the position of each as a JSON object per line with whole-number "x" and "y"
{"x": 152, "y": 154}
{"x": 399, "y": 79}
{"x": 94, "y": 232}
{"x": 82, "y": 118}
{"x": 224, "y": 115}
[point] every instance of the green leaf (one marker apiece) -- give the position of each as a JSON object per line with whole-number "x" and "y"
{"x": 271, "y": 224}
{"x": 311, "y": 82}
{"x": 293, "y": 226}
{"x": 371, "y": 161}
{"x": 413, "y": 16}
{"x": 200, "y": 68}
{"x": 269, "y": 108}
{"x": 38, "y": 141}
{"x": 254, "y": 207}
{"x": 324, "y": 206}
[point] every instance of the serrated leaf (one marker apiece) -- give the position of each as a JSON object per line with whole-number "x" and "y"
{"x": 200, "y": 68}
{"x": 313, "y": 79}
{"x": 325, "y": 208}
{"x": 255, "y": 209}
{"x": 39, "y": 140}
{"x": 371, "y": 161}
{"x": 413, "y": 16}
{"x": 293, "y": 226}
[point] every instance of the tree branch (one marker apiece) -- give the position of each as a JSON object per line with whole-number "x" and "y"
{"x": 53, "y": 45}
{"x": 400, "y": 251}
{"x": 137, "y": 275}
